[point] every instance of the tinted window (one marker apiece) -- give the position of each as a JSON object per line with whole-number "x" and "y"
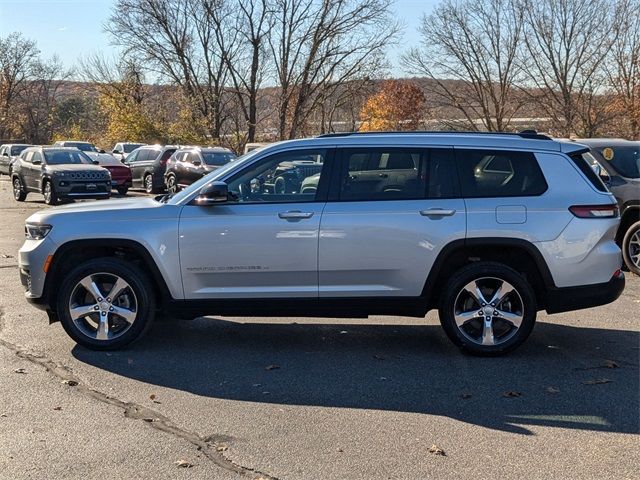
{"x": 485, "y": 173}
{"x": 133, "y": 157}
{"x": 131, "y": 147}
{"x": 625, "y": 160}
{"x": 383, "y": 174}
{"x": 17, "y": 149}
{"x": 63, "y": 157}
{"x": 585, "y": 162}
{"x": 27, "y": 156}
{"x": 36, "y": 157}
{"x": 192, "y": 157}
{"x": 217, "y": 159}
{"x": 150, "y": 154}
{"x": 82, "y": 146}
{"x": 283, "y": 177}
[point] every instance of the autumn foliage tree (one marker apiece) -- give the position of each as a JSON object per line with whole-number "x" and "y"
{"x": 398, "y": 106}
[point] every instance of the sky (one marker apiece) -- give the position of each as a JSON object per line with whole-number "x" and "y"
{"x": 73, "y": 29}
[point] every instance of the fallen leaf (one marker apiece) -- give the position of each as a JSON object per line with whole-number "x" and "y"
{"x": 4, "y": 255}
{"x": 553, "y": 390}
{"x": 511, "y": 394}
{"x": 57, "y": 408}
{"x": 436, "y": 450}
{"x": 465, "y": 396}
{"x": 71, "y": 383}
{"x": 597, "y": 381}
{"x": 339, "y": 450}
{"x": 183, "y": 464}
{"x": 272, "y": 367}
{"x": 610, "y": 364}
{"x": 152, "y": 397}
{"x": 3, "y": 415}
{"x": 19, "y": 370}
{"x": 222, "y": 448}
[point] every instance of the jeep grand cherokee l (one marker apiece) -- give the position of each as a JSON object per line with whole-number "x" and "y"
{"x": 58, "y": 173}
{"x": 488, "y": 229}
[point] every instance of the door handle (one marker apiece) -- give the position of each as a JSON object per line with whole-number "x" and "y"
{"x": 295, "y": 214}
{"x": 437, "y": 212}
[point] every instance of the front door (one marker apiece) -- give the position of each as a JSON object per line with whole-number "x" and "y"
{"x": 393, "y": 212}
{"x": 260, "y": 244}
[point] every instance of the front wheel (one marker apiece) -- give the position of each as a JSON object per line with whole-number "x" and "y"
{"x": 631, "y": 248}
{"x": 18, "y": 192}
{"x": 105, "y": 304}
{"x": 148, "y": 184}
{"x": 122, "y": 190}
{"x": 49, "y": 193}
{"x": 172, "y": 184}
{"x": 487, "y": 309}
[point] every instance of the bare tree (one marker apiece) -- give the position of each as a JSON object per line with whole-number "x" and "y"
{"x": 318, "y": 46}
{"x": 469, "y": 52}
{"x": 177, "y": 40}
{"x": 566, "y": 42}
{"x": 623, "y": 64}
{"x": 18, "y": 56}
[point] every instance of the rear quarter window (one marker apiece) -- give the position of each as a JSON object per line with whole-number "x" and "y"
{"x": 499, "y": 173}
{"x": 582, "y": 161}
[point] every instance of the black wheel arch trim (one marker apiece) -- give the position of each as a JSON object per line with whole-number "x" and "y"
{"x": 111, "y": 243}
{"x": 463, "y": 244}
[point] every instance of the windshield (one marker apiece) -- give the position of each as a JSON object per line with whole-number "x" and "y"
{"x": 217, "y": 159}
{"x": 16, "y": 149}
{"x": 82, "y": 146}
{"x": 130, "y": 147}
{"x": 64, "y": 157}
{"x": 218, "y": 173}
{"x": 106, "y": 159}
{"x": 625, "y": 160}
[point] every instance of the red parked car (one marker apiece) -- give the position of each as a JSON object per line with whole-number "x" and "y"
{"x": 120, "y": 174}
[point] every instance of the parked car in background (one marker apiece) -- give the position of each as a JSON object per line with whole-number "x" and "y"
{"x": 187, "y": 165}
{"x": 148, "y": 165}
{"x": 58, "y": 173}
{"x": 120, "y": 174}
{"x": 487, "y": 228}
{"x": 86, "y": 147}
{"x": 8, "y": 154}
{"x": 123, "y": 149}
{"x": 617, "y": 162}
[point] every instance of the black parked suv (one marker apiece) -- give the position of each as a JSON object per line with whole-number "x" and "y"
{"x": 58, "y": 173}
{"x": 148, "y": 165}
{"x": 190, "y": 164}
{"x": 617, "y": 162}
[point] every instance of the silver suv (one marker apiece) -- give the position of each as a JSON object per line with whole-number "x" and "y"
{"x": 487, "y": 228}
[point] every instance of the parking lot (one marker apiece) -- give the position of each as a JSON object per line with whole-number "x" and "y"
{"x": 295, "y": 398}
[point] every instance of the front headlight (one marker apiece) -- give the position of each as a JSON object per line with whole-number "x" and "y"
{"x": 36, "y": 231}
{"x": 59, "y": 174}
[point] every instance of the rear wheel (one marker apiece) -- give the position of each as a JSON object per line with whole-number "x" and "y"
{"x": 148, "y": 184}
{"x": 105, "y": 304}
{"x": 172, "y": 184}
{"x": 49, "y": 193}
{"x": 123, "y": 190}
{"x": 18, "y": 192}
{"x": 631, "y": 248}
{"x": 487, "y": 309}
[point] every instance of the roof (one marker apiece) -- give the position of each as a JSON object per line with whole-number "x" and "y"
{"x": 605, "y": 142}
{"x": 489, "y": 140}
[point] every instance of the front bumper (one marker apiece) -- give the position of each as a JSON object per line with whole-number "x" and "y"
{"x": 70, "y": 188}
{"x": 576, "y": 298}
{"x": 31, "y": 260}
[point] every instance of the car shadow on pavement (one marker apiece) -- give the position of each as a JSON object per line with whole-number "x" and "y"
{"x": 568, "y": 377}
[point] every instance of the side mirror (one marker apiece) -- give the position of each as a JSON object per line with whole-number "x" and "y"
{"x": 212, "y": 193}
{"x": 37, "y": 162}
{"x": 197, "y": 162}
{"x": 96, "y": 162}
{"x": 116, "y": 152}
{"x": 101, "y": 151}
{"x": 5, "y": 154}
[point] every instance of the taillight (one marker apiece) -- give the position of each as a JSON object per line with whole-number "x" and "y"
{"x": 595, "y": 211}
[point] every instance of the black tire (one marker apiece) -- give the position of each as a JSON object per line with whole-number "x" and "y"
{"x": 149, "y": 187}
{"x": 138, "y": 283}
{"x": 122, "y": 190}
{"x": 18, "y": 190}
{"x": 49, "y": 193}
{"x": 491, "y": 276}
{"x": 172, "y": 184}
{"x": 631, "y": 248}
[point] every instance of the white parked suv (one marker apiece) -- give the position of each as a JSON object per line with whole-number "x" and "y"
{"x": 487, "y": 228}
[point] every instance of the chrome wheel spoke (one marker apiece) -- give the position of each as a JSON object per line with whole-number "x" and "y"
{"x": 463, "y": 317}
{"x": 83, "y": 311}
{"x": 128, "y": 315}
{"x": 501, "y": 293}
{"x": 91, "y": 287}
{"x": 513, "y": 318}
{"x": 487, "y": 332}
{"x": 473, "y": 289}
{"x": 117, "y": 289}
{"x": 103, "y": 328}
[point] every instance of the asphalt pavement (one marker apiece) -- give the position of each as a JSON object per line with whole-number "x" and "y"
{"x": 294, "y": 398}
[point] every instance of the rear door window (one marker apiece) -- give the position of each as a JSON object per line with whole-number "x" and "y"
{"x": 499, "y": 173}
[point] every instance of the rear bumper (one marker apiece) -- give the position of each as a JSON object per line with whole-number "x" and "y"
{"x": 575, "y": 298}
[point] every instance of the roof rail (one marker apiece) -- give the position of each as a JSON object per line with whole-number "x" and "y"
{"x": 528, "y": 134}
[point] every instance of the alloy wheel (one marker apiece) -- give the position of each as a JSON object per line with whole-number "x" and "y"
{"x": 633, "y": 248}
{"x": 171, "y": 184}
{"x": 17, "y": 188}
{"x": 47, "y": 193}
{"x": 488, "y": 311}
{"x": 103, "y": 306}
{"x": 148, "y": 184}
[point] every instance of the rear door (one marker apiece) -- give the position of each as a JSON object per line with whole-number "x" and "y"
{"x": 390, "y": 212}
{"x": 134, "y": 161}
{"x": 29, "y": 171}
